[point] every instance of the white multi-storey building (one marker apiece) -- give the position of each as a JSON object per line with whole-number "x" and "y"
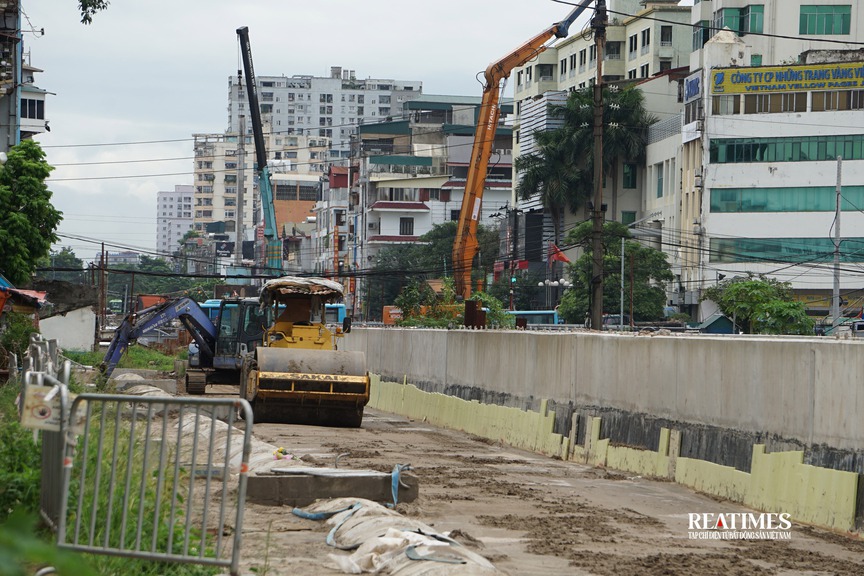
{"x": 324, "y": 107}
{"x": 753, "y": 193}
{"x": 173, "y": 218}
{"x": 222, "y": 175}
{"x": 778, "y": 31}
{"x": 764, "y": 166}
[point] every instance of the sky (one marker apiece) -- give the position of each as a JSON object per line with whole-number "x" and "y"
{"x": 130, "y": 89}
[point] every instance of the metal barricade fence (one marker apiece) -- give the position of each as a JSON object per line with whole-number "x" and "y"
{"x": 41, "y": 367}
{"x": 157, "y": 478}
{"x": 151, "y": 478}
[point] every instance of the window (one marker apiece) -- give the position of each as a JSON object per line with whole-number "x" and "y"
{"x": 842, "y": 100}
{"x": 701, "y": 34}
{"x": 592, "y": 53}
{"x": 728, "y": 18}
{"x": 643, "y": 70}
{"x": 633, "y": 44}
{"x": 406, "y": 226}
{"x": 658, "y": 168}
{"x": 825, "y": 20}
{"x": 583, "y": 58}
{"x": 562, "y": 67}
{"x": 628, "y": 217}
{"x": 752, "y": 18}
{"x": 631, "y": 75}
{"x": 665, "y": 65}
{"x": 629, "y": 176}
{"x": 666, "y": 35}
{"x": 545, "y": 72}
{"x": 755, "y": 60}
{"x": 646, "y": 37}
{"x": 33, "y": 109}
{"x": 572, "y": 62}
{"x": 725, "y": 105}
{"x": 783, "y": 249}
{"x": 775, "y": 103}
{"x": 789, "y": 149}
{"x": 454, "y": 215}
{"x": 613, "y": 51}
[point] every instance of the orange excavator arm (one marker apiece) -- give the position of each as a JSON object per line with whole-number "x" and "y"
{"x": 465, "y": 244}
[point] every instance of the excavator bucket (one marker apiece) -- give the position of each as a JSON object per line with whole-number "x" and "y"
{"x": 297, "y": 386}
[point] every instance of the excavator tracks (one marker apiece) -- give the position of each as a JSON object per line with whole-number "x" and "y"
{"x": 196, "y": 382}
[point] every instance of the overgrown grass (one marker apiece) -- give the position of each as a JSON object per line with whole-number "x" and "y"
{"x": 23, "y": 547}
{"x": 20, "y": 459}
{"x": 150, "y": 498}
{"x": 135, "y": 357}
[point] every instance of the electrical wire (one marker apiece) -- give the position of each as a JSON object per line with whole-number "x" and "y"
{"x": 714, "y": 29}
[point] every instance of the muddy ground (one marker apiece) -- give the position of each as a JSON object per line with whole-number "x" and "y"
{"x": 526, "y": 513}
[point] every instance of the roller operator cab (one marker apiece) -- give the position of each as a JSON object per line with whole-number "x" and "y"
{"x": 298, "y": 375}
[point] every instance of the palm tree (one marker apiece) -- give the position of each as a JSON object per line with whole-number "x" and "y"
{"x": 625, "y": 129}
{"x": 551, "y": 173}
{"x": 560, "y": 171}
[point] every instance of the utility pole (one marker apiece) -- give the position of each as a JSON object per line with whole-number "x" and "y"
{"x": 103, "y": 302}
{"x": 835, "y": 300}
{"x": 597, "y": 212}
{"x": 512, "y": 222}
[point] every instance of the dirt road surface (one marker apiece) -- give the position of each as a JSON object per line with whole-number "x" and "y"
{"x": 528, "y": 514}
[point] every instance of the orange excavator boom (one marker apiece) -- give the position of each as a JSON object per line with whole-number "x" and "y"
{"x": 465, "y": 244}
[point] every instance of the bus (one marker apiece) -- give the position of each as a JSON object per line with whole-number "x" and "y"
{"x": 211, "y": 307}
{"x": 536, "y": 316}
{"x": 335, "y": 313}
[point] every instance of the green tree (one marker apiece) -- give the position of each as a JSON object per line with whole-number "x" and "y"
{"x": 156, "y": 276}
{"x": 760, "y": 305}
{"x": 63, "y": 265}
{"x": 625, "y": 132}
{"x": 89, "y": 8}
{"x": 398, "y": 266}
{"x": 28, "y": 221}
{"x": 647, "y": 267}
{"x": 526, "y": 293}
{"x": 189, "y": 235}
{"x": 553, "y": 174}
{"x": 561, "y": 171}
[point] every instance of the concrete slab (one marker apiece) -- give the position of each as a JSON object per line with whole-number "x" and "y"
{"x": 300, "y": 486}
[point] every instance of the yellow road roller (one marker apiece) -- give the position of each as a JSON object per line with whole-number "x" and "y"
{"x": 297, "y": 375}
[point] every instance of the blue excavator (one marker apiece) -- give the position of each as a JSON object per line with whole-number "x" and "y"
{"x": 221, "y": 344}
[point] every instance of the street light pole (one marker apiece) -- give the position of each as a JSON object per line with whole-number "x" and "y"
{"x": 621, "y": 310}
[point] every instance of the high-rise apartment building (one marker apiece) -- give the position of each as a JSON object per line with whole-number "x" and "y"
{"x": 225, "y": 178}
{"x": 174, "y": 211}
{"x": 324, "y": 107}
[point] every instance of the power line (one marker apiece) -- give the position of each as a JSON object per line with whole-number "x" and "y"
{"x": 715, "y": 29}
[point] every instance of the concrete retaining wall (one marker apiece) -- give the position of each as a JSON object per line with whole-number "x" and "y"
{"x": 744, "y": 413}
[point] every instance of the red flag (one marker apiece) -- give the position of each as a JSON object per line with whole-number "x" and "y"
{"x": 555, "y": 253}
